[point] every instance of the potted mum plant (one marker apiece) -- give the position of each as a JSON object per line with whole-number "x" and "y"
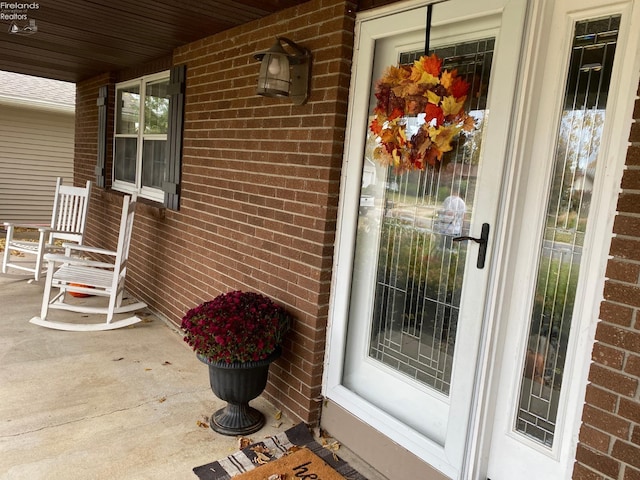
{"x": 237, "y": 334}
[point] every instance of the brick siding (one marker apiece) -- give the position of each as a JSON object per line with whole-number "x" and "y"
{"x": 259, "y": 190}
{"x": 609, "y": 439}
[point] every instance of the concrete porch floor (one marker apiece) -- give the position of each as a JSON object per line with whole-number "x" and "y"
{"x": 121, "y": 404}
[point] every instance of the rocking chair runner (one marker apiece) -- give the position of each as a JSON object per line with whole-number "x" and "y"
{"x": 68, "y": 220}
{"x": 100, "y": 278}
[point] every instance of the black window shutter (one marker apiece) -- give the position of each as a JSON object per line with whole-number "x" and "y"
{"x": 103, "y": 93}
{"x": 171, "y": 185}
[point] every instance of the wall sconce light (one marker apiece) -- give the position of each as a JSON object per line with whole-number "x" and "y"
{"x": 284, "y": 74}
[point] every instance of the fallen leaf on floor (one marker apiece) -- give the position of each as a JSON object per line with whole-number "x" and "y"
{"x": 118, "y": 359}
{"x": 167, "y": 363}
{"x": 147, "y": 369}
{"x": 327, "y": 440}
{"x": 261, "y": 458}
{"x": 276, "y": 425}
{"x": 244, "y": 442}
{"x": 292, "y": 449}
{"x": 202, "y": 424}
{"x": 333, "y": 446}
{"x": 261, "y": 449}
{"x": 162, "y": 399}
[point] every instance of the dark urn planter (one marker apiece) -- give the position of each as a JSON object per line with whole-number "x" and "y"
{"x": 237, "y": 384}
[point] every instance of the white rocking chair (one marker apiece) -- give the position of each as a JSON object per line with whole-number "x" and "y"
{"x": 92, "y": 277}
{"x": 68, "y": 220}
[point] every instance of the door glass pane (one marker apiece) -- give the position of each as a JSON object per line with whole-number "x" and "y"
{"x": 406, "y": 226}
{"x": 578, "y": 144}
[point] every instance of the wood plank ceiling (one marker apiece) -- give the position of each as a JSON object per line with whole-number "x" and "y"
{"x": 78, "y": 39}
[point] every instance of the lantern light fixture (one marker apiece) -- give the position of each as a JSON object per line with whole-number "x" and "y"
{"x": 284, "y": 74}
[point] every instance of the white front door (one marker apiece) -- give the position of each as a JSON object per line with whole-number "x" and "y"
{"x": 414, "y": 297}
{"x": 478, "y": 370}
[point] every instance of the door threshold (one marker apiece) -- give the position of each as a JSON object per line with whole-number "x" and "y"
{"x": 379, "y": 455}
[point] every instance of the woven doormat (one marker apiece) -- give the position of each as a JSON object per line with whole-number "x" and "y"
{"x": 302, "y": 463}
{"x": 277, "y": 447}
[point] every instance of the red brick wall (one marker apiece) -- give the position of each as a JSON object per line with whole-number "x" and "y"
{"x": 609, "y": 445}
{"x": 260, "y": 185}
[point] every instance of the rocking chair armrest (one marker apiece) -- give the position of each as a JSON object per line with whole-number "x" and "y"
{"x": 30, "y": 226}
{"x": 56, "y": 258}
{"x": 87, "y": 248}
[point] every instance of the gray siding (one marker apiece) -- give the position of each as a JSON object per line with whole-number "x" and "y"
{"x": 36, "y": 146}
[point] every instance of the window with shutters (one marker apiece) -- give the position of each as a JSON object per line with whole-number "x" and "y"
{"x": 140, "y": 140}
{"x": 147, "y": 153}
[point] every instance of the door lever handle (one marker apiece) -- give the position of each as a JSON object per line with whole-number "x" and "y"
{"x": 482, "y": 241}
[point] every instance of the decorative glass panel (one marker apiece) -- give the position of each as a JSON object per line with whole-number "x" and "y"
{"x": 576, "y": 155}
{"x": 406, "y": 225}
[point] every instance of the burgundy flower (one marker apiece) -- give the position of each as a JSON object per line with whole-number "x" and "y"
{"x": 236, "y": 327}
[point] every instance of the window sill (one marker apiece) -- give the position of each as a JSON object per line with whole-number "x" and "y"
{"x": 146, "y": 206}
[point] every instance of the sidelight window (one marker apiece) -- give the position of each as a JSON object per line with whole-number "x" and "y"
{"x": 578, "y": 141}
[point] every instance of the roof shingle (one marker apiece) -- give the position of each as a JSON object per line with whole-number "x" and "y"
{"x": 26, "y": 88}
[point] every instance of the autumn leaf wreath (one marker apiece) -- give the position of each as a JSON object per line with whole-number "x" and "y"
{"x": 415, "y": 90}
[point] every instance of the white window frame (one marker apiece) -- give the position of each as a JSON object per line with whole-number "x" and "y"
{"x": 150, "y": 193}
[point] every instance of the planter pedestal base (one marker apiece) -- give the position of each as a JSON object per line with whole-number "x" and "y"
{"x": 237, "y": 419}
{"x": 238, "y": 384}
